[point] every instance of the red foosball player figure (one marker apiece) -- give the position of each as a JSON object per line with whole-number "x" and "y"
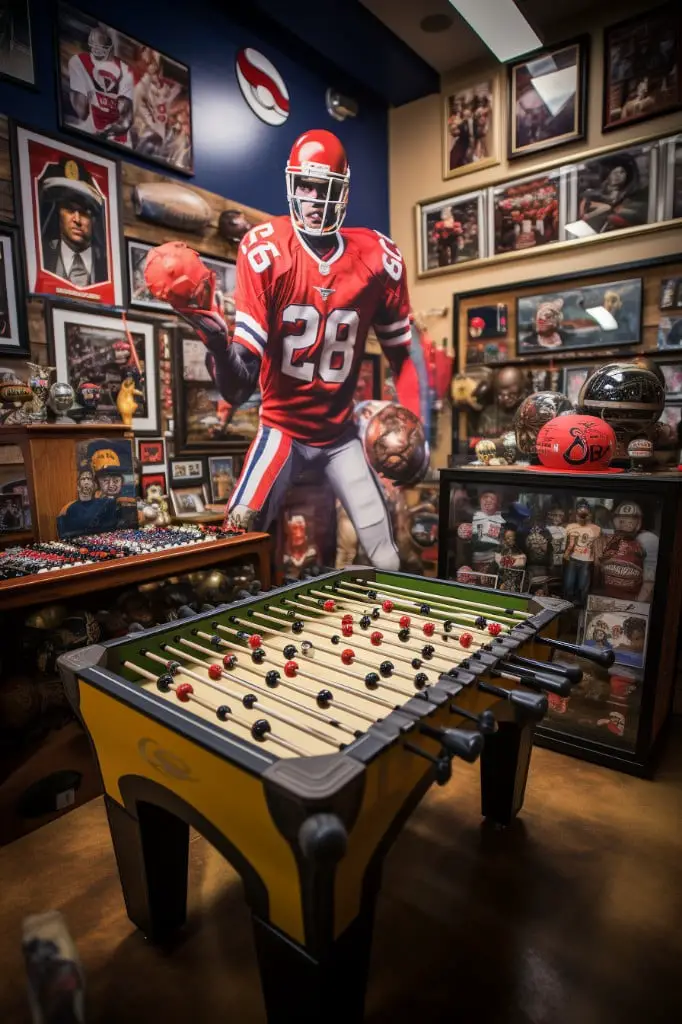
{"x": 306, "y": 297}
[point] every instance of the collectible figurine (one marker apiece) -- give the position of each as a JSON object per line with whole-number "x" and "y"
{"x": 299, "y": 552}
{"x": 538, "y": 545}
{"x": 510, "y": 387}
{"x": 628, "y": 562}
{"x": 579, "y": 556}
{"x": 61, "y": 400}
{"x": 556, "y": 517}
{"x": 88, "y": 396}
{"x": 340, "y": 283}
{"x": 641, "y": 454}
{"x": 486, "y": 532}
{"x": 511, "y": 561}
{"x": 157, "y": 501}
{"x": 485, "y": 451}
{"x": 39, "y": 383}
{"x": 125, "y": 400}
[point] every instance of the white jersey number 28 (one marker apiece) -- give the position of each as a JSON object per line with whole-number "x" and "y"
{"x": 334, "y": 345}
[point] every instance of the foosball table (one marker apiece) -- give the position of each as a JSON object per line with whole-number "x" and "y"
{"x": 296, "y": 731}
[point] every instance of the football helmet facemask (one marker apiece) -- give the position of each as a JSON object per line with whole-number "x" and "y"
{"x": 100, "y": 44}
{"x": 318, "y": 178}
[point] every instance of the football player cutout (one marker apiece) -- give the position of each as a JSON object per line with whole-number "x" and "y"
{"x": 307, "y": 294}
{"x": 101, "y": 89}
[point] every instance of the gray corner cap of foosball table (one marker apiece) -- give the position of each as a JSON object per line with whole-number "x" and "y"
{"x": 73, "y": 662}
{"x": 316, "y": 778}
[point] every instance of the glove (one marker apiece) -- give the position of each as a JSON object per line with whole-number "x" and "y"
{"x": 174, "y": 273}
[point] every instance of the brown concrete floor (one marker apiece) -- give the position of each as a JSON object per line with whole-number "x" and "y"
{"x": 572, "y": 917}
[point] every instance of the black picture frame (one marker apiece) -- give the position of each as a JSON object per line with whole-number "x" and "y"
{"x": 59, "y": 315}
{"x": 187, "y": 470}
{"x": 527, "y": 213}
{"x": 614, "y": 190}
{"x": 144, "y": 148}
{"x": 226, "y": 463}
{"x": 16, "y": 40}
{"x": 442, "y": 226}
{"x": 629, "y": 66}
{"x": 14, "y": 339}
{"x": 139, "y": 296}
{"x": 40, "y": 280}
{"x": 561, "y": 54}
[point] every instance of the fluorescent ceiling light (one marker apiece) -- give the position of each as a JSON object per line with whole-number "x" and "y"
{"x": 501, "y": 26}
{"x": 606, "y": 320}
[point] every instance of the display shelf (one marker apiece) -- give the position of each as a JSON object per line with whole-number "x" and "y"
{"x": 61, "y": 583}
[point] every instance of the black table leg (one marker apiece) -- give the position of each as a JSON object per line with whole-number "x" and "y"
{"x": 301, "y": 989}
{"x": 504, "y": 770}
{"x": 152, "y": 850}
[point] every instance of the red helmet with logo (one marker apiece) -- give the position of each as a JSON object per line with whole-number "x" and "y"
{"x": 318, "y": 177}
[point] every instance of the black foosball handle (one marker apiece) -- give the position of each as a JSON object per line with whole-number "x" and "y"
{"x": 457, "y": 742}
{"x": 604, "y": 659}
{"x": 573, "y": 673}
{"x": 532, "y": 705}
{"x": 541, "y": 681}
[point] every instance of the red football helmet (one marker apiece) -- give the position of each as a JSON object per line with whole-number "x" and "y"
{"x": 318, "y": 177}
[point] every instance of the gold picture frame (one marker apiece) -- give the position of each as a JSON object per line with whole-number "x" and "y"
{"x": 482, "y": 129}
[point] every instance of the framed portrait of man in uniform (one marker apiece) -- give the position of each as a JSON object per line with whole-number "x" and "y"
{"x": 70, "y": 219}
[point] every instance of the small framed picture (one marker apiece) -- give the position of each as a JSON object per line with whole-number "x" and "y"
{"x": 101, "y": 348}
{"x": 671, "y": 293}
{"x": 122, "y": 92}
{"x": 16, "y": 46}
{"x": 671, "y": 416}
{"x": 70, "y": 220}
{"x": 222, "y": 477}
{"x": 671, "y": 190}
{"x": 184, "y": 470}
{"x": 547, "y": 98}
{"x": 152, "y": 451}
{"x": 11, "y": 513}
{"x": 13, "y": 332}
{"x": 155, "y": 479}
{"x": 487, "y": 321}
{"x": 451, "y": 231}
{"x": 140, "y": 296}
{"x": 477, "y": 579}
{"x": 188, "y": 502}
{"x": 673, "y": 378}
{"x": 591, "y": 316}
{"x": 511, "y": 579}
{"x": 572, "y": 380}
{"x": 527, "y": 213}
{"x": 471, "y": 123}
{"x": 614, "y": 191}
{"x": 642, "y": 67}
{"x": 670, "y": 332}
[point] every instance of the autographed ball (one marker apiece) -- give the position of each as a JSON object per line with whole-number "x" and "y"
{"x": 575, "y": 443}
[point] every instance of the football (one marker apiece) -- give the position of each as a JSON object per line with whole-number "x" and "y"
{"x": 15, "y": 391}
{"x": 396, "y": 446}
{"x": 174, "y": 273}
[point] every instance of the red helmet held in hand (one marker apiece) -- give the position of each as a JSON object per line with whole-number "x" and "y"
{"x": 174, "y": 273}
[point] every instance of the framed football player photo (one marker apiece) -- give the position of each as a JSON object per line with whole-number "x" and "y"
{"x": 451, "y": 231}
{"x": 527, "y": 213}
{"x": 16, "y": 44}
{"x": 122, "y": 92}
{"x": 547, "y": 98}
{"x": 13, "y": 334}
{"x": 70, "y": 220}
{"x": 471, "y": 126}
{"x": 105, "y": 350}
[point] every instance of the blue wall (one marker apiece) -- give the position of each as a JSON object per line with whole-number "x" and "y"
{"x": 235, "y": 154}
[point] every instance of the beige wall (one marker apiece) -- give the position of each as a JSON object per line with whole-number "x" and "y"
{"x": 415, "y": 167}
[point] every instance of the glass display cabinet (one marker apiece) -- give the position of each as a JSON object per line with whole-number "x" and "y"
{"x": 612, "y": 545}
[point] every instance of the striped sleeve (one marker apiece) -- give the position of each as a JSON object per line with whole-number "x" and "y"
{"x": 251, "y": 317}
{"x": 392, "y": 319}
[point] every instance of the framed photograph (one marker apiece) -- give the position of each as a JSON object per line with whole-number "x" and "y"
{"x": 16, "y": 46}
{"x": 451, "y": 231}
{"x": 222, "y": 476}
{"x": 526, "y": 213}
{"x": 155, "y": 479}
{"x": 511, "y": 580}
{"x": 547, "y": 98}
{"x": 587, "y": 316}
{"x": 11, "y": 513}
{"x": 152, "y": 451}
{"x": 671, "y": 198}
{"x": 671, "y": 416}
{"x": 203, "y": 420}
{"x": 13, "y": 331}
{"x": 122, "y": 92}
{"x": 613, "y": 191}
{"x": 642, "y": 67}
{"x": 478, "y": 579}
{"x": 140, "y": 296}
{"x": 70, "y": 220}
{"x": 471, "y": 121}
{"x": 673, "y": 378}
{"x": 620, "y": 626}
{"x": 671, "y": 293}
{"x": 670, "y": 332}
{"x": 185, "y": 470}
{"x": 17, "y": 486}
{"x": 103, "y": 349}
{"x": 104, "y": 489}
{"x": 188, "y": 502}
{"x": 486, "y": 327}
{"x": 369, "y": 379}
{"x": 572, "y": 380}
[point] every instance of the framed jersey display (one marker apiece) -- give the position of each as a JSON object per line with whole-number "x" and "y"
{"x": 70, "y": 219}
{"x": 123, "y": 92}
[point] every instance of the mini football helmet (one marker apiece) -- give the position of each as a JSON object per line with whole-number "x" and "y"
{"x": 318, "y": 178}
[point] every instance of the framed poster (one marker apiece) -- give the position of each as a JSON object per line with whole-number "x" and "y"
{"x": 104, "y": 489}
{"x": 670, "y": 332}
{"x": 587, "y": 316}
{"x": 152, "y": 451}
{"x": 471, "y": 117}
{"x": 157, "y": 478}
{"x": 70, "y": 220}
{"x": 526, "y": 213}
{"x": 547, "y": 98}
{"x": 572, "y": 380}
{"x": 642, "y": 67}
{"x": 451, "y": 231}
{"x": 614, "y": 191}
{"x": 222, "y": 477}
{"x": 122, "y": 92}
{"x": 16, "y": 44}
{"x": 671, "y": 293}
{"x": 101, "y": 349}
{"x": 187, "y": 470}
{"x": 13, "y": 329}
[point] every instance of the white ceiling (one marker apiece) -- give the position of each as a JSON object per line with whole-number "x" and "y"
{"x": 459, "y": 44}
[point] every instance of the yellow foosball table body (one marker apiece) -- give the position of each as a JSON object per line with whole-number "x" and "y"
{"x": 296, "y": 731}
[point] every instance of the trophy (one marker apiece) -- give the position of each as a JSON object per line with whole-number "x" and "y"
{"x": 60, "y": 401}
{"x": 39, "y": 383}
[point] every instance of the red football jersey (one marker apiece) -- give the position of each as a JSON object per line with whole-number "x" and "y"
{"x": 308, "y": 319}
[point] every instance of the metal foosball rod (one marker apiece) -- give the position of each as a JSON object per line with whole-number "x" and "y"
{"x": 514, "y": 613}
{"x": 259, "y": 730}
{"x": 571, "y": 672}
{"x": 535, "y": 680}
{"x": 603, "y": 658}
